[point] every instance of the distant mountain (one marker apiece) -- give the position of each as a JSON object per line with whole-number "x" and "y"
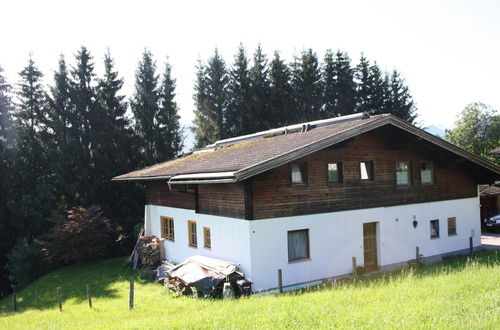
{"x": 435, "y": 130}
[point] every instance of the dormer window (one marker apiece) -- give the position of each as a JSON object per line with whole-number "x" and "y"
{"x": 299, "y": 173}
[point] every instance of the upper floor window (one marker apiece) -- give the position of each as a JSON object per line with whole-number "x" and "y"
{"x": 366, "y": 170}
{"x": 192, "y": 235}
{"x": 402, "y": 174}
{"x": 299, "y": 173}
{"x": 334, "y": 172}
{"x": 167, "y": 228}
{"x": 426, "y": 173}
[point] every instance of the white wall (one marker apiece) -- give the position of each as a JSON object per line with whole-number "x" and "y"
{"x": 230, "y": 237}
{"x": 260, "y": 246}
{"x": 337, "y": 237}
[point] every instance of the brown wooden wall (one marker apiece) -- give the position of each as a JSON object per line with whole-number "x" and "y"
{"x": 274, "y": 196}
{"x": 157, "y": 193}
{"x": 226, "y": 199}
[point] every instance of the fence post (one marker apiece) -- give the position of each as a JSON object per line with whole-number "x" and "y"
{"x": 59, "y": 301}
{"x": 354, "y": 268}
{"x": 131, "y": 296}
{"x": 280, "y": 281}
{"x": 471, "y": 249}
{"x": 89, "y": 297}
{"x": 14, "y": 302}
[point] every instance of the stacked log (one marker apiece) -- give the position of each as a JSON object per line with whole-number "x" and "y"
{"x": 148, "y": 251}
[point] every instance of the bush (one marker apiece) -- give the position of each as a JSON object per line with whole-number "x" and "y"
{"x": 25, "y": 263}
{"x": 82, "y": 235}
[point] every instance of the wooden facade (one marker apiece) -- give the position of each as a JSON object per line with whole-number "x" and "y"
{"x": 271, "y": 194}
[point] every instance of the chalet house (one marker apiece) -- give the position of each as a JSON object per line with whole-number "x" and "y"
{"x": 308, "y": 198}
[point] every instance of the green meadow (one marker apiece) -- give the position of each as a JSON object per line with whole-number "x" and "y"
{"x": 461, "y": 292}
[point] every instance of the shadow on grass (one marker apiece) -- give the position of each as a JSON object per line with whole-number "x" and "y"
{"x": 446, "y": 266}
{"x": 100, "y": 275}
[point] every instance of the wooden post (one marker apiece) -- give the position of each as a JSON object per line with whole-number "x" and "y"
{"x": 36, "y": 299}
{"x": 131, "y": 296}
{"x": 14, "y": 302}
{"x": 471, "y": 249}
{"x": 354, "y": 267}
{"x": 59, "y": 301}
{"x": 280, "y": 281}
{"x": 89, "y": 297}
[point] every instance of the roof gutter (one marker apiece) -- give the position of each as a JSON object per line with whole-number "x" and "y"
{"x": 203, "y": 178}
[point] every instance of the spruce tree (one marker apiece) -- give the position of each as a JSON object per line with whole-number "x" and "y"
{"x": 33, "y": 193}
{"x": 307, "y": 86}
{"x": 379, "y": 90}
{"x": 281, "y": 102}
{"x": 259, "y": 91}
{"x": 86, "y": 120}
{"x": 363, "y": 85}
{"x": 170, "y": 139}
{"x": 144, "y": 104}
{"x": 211, "y": 101}
{"x": 400, "y": 102}
{"x": 238, "y": 115}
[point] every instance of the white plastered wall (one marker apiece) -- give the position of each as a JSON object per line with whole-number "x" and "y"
{"x": 229, "y": 236}
{"x": 260, "y": 246}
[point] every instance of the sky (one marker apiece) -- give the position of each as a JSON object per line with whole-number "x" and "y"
{"x": 448, "y": 51}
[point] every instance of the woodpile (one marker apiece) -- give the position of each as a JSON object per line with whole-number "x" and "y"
{"x": 147, "y": 252}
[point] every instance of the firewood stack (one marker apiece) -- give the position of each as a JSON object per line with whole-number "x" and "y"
{"x": 148, "y": 250}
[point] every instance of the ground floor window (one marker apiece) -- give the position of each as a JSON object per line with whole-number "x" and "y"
{"x": 167, "y": 228}
{"x": 192, "y": 239}
{"x": 207, "y": 237}
{"x": 452, "y": 226}
{"x": 298, "y": 244}
{"x": 434, "y": 228}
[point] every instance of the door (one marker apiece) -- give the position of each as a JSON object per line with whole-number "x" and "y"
{"x": 370, "y": 245}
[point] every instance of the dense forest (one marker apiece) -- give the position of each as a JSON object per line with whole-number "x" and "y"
{"x": 62, "y": 142}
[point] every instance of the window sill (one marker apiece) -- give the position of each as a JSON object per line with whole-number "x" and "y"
{"x": 299, "y": 260}
{"x": 298, "y": 185}
{"x": 451, "y": 235}
{"x": 437, "y": 237}
{"x": 193, "y": 246}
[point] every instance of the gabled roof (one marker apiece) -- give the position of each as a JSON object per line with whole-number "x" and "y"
{"x": 237, "y": 159}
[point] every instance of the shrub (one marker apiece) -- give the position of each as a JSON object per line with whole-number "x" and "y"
{"x": 82, "y": 235}
{"x": 25, "y": 263}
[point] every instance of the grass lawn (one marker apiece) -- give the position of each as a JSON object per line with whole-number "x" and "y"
{"x": 458, "y": 293}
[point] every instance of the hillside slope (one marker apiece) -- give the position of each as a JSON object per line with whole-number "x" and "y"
{"x": 458, "y": 293}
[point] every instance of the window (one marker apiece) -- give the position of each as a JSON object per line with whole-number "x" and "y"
{"x": 191, "y": 188}
{"x": 298, "y": 244}
{"x": 366, "y": 170}
{"x": 452, "y": 226}
{"x": 167, "y": 228}
{"x": 192, "y": 233}
{"x": 426, "y": 173}
{"x": 402, "y": 174}
{"x": 207, "y": 239}
{"x": 299, "y": 173}
{"x": 334, "y": 172}
{"x": 434, "y": 228}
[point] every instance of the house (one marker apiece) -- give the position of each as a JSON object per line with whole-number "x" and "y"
{"x": 490, "y": 200}
{"x": 308, "y": 198}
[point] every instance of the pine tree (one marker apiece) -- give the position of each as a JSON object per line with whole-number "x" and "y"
{"x": 400, "y": 102}
{"x": 211, "y": 100}
{"x": 307, "y": 86}
{"x": 238, "y": 115}
{"x": 170, "y": 139}
{"x": 144, "y": 104}
{"x": 259, "y": 91}
{"x": 281, "y": 103}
